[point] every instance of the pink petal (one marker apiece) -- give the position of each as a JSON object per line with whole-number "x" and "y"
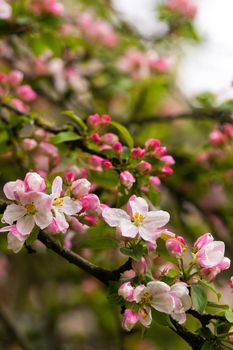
{"x": 14, "y": 243}
{"x": 128, "y": 229}
{"x": 69, "y": 207}
{"x": 113, "y": 216}
{"x": 57, "y": 187}
{"x": 137, "y": 205}
{"x": 156, "y": 219}
{"x": 10, "y": 188}
{"x": 157, "y": 287}
{"x": 43, "y": 218}
{"x": 12, "y": 213}
{"x": 61, "y": 222}
{"x": 25, "y": 224}
{"x": 146, "y": 234}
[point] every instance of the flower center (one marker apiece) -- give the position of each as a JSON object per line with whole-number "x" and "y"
{"x": 31, "y": 209}
{"x": 58, "y": 202}
{"x": 146, "y": 298}
{"x": 138, "y": 219}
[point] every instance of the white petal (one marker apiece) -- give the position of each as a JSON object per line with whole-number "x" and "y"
{"x": 114, "y": 216}
{"x": 69, "y": 207}
{"x": 61, "y": 222}
{"x": 163, "y": 303}
{"x": 14, "y": 243}
{"x": 57, "y": 187}
{"x": 138, "y": 292}
{"x": 128, "y": 229}
{"x": 43, "y": 219}
{"x": 12, "y": 213}
{"x": 137, "y": 205}
{"x": 10, "y": 188}
{"x": 25, "y": 224}
{"x": 157, "y": 287}
{"x": 156, "y": 219}
{"x": 147, "y": 235}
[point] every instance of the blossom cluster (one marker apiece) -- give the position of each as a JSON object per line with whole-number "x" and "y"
{"x": 11, "y": 83}
{"x": 140, "y": 65}
{"x": 185, "y": 8}
{"x": 56, "y": 212}
{"x": 96, "y": 30}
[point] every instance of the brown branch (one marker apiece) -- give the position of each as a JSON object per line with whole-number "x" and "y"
{"x": 205, "y": 318}
{"x": 195, "y": 341}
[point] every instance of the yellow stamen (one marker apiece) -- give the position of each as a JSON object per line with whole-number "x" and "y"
{"x": 144, "y": 313}
{"x": 146, "y": 298}
{"x": 31, "y": 209}
{"x": 58, "y": 202}
{"x": 138, "y": 219}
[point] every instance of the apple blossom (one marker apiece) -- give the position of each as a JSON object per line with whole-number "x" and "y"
{"x": 126, "y": 291}
{"x": 127, "y": 179}
{"x": 130, "y": 318}
{"x": 80, "y": 188}
{"x": 15, "y": 238}
{"x": 182, "y": 299}
{"x": 139, "y": 221}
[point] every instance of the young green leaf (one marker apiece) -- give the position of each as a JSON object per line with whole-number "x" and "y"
{"x": 76, "y": 119}
{"x": 124, "y": 132}
{"x": 199, "y": 297}
{"x": 65, "y": 136}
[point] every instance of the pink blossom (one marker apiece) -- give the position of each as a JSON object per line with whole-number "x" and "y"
{"x": 15, "y": 238}
{"x": 166, "y": 170}
{"x": 80, "y": 188}
{"x": 96, "y": 162}
{"x": 110, "y": 138}
{"x": 106, "y": 164}
{"x": 94, "y": 120}
{"x": 168, "y": 160}
{"x": 161, "y": 65}
{"x": 70, "y": 176}
{"x": 126, "y": 291}
{"x": 105, "y": 119}
{"x": 34, "y": 182}
{"x": 15, "y": 78}
{"x": 144, "y": 315}
{"x": 29, "y": 144}
{"x": 216, "y": 137}
{"x": 62, "y": 206}
{"x": 140, "y": 266}
{"x": 152, "y": 144}
{"x": 182, "y": 300}
{"x": 155, "y": 182}
{"x": 26, "y": 93}
{"x": 139, "y": 220}
{"x": 157, "y": 294}
{"x": 210, "y": 273}
{"x": 144, "y": 167}
{"x": 117, "y": 146}
{"x": 228, "y": 129}
{"x": 138, "y": 153}
{"x": 90, "y": 202}
{"x": 12, "y": 188}
{"x": 32, "y": 208}
{"x": 183, "y": 7}
{"x": 96, "y": 137}
{"x": 129, "y": 320}
{"x": 203, "y": 240}
{"x": 19, "y": 105}
{"x": 175, "y": 246}
{"x": 127, "y": 179}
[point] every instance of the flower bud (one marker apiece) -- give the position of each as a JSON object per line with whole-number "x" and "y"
{"x": 94, "y": 120}
{"x": 29, "y": 144}
{"x": 138, "y": 153}
{"x": 96, "y": 137}
{"x": 126, "y": 291}
{"x": 174, "y": 247}
{"x": 140, "y": 266}
{"x": 129, "y": 320}
{"x": 34, "y": 182}
{"x": 15, "y": 78}
{"x": 80, "y": 188}
{"x": 109, "y": 138}
{"x": 117, "y": 146}
{"x": 152, "y": 144}
{"x": 105, "y": 119}
{"x": 216, "y": 137}
{"x": 144, "y": 167}
{"x": 230, "y": 282}
{"x": 90, "y": 202}
{"x": 155, "y": 182}
{"x": 127, "y": 179}
{"x": 26, "y": 93}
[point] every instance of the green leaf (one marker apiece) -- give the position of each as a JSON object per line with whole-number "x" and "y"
{"x": 227, "y": 105}
{"x": 107, "y": 179}
{"x": 199, "y": 297}
{"x": 135, "y": 253}
{"x": 161, "y": 318}
{"x": 113, "y": 296}
{"x": 97, "y": 240}
{"x": 229, "y": 316}
{"x": 124, "y": 132}
{"x": 210, "y": 286}
{"x": 208, "y": 345}
{"x": 218, "y": 306}
{"x": 76, "y": 119}
{"x": 65, "y": 136}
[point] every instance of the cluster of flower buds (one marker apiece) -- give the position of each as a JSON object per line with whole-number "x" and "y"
{"x": 5, "y": 10}
{"x": 97, "y": 30}
{"x": 140, "y": 65}
{"x": 52, "y": 7}
{"x": 45, "y": 156}
{"x": 219, "y": 137}
{"x": 56, "y": 212}
{"x": 11, "y": 84}
{"x": 173, "y": 300}
{"x": 184, "y": 8}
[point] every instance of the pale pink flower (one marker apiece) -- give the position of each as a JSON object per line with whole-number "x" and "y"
{"x": 216, "y": 137}
{"x": 19, "y": 105}
{"x": 203, "y": 240}
{"x": 129, "y": 320}
{"x": 5, "y": 10}
{"x": 127, "y": 179}
{"x": 26, "y": 93}
{"x": 211, "y": 254}
{"x": 110, "y": 138}
{"x": 15, "y": 238}
{"x": 126, "y": 291}
{"x": 182, "y": 299}
{"x": 139, "y": 221}
{"x": 157, "y": 294}
{"x": 62, "y": 205}
{"x": 33, "y": 208}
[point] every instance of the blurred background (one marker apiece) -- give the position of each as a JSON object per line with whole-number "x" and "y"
{"x": 163, "y": 75}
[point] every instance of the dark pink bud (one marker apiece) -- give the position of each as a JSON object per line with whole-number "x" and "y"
{"x": 138, "y": 153}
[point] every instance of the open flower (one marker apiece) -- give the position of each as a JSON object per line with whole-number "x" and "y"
{"x": 156, "y": 294}
{"x": 138, "y": 221}
{"x": 32, "y": 208}
{"x": 15, "y": 238}
{"x": 182, "y": 299}
{"x": 62, "y": 205}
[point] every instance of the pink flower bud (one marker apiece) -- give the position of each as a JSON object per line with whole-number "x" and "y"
{"x": 96, "y": 137}
{"x": 216, "y": 137}
{"x": 94, "y": 120}
{"x": 174, "y": 247}
{"x": 26, "y": 93}
{"x": 129, "y": 320}
{"x": 138, "y": 153}
{"x": 152, "y": 144}
{"x": 126, "y": 291}
{"x": 107, "y": 164}
{"x": 34, "y": 182}
{"x": 230, "y": 282}
{"x": 168, "y": 160}
{"x": 3, "y": 77}
{"x": 15, "y": 78}
{"x": 80, "y": 188}
{"x": 117, "y": 146}
{"x": 166, "y": 170}
{"x": 161, "y": 151}
{"x": 70, "y": 176}
{"x": 90, "y": 202}
{"x": 29, "y": 144}
{"x": 109, "y": 138}
{"x": 140, "y": 266}
{"x": 144, "y": 167}
{"x": 55, "y": 8}
{"x": 96, "y": 162}
{"x": 90, "y": 220}
{"x": 203, "y": 240}
{"x": 127, "y": 179}
{"x": 161, "y": 65}
{"x": 19, "y": 105}
{"x": 155, "y": 182}
{"x": 228, "y": 129}
{"x": 105, "y": 119}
